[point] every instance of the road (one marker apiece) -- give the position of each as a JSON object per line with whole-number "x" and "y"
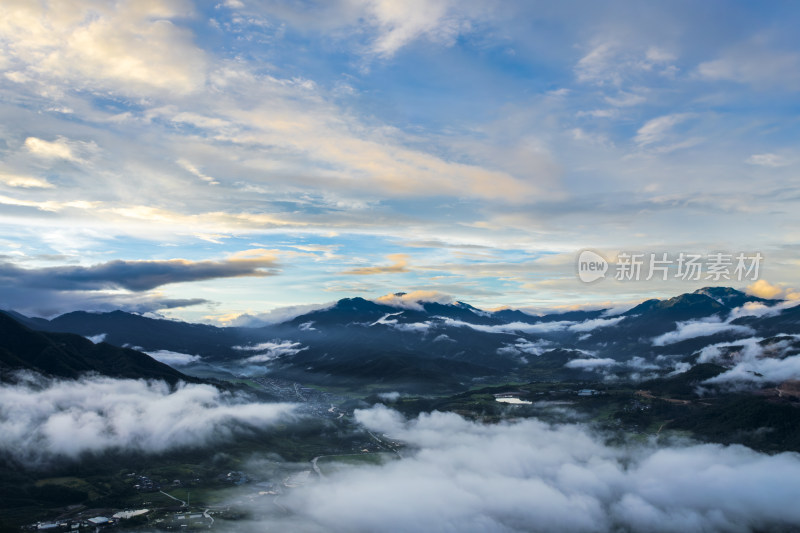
{"x": 384, "y": 445}
{"x": 183, "y": 503}
{"x": 317, "y": 469}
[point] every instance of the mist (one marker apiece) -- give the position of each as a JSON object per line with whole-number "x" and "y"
{"x": 459, "y": 475}
{"x": 43, "y": 420}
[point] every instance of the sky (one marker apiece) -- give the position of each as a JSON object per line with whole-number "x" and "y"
{"x": 214, "y": 160}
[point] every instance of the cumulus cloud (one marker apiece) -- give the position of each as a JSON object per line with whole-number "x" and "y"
{"x": 699, "y": 328}
{"x": 139, "y": 275}
{"x": 58, "y": 149}
{"x": 414, "y": 299}
{"x": 173, "y": 358}
{"x": 467, "y": 476}
{"x": 764, "y": 289}
{"x": 129, "y": 46}
{"x": 43, "y": 420}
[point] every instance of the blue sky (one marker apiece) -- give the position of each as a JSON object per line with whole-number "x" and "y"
{"x": 213, "y": 160}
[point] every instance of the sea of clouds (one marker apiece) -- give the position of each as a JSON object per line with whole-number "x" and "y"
{"x": 454, "y": 474}
{"x": 43, "y": 420}
{"x": 465, "y": 476}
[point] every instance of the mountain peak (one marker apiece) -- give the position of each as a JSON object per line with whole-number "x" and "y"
{"x": 728, "y": 296}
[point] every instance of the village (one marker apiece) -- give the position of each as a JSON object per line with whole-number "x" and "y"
{"x": 167, "y": 505}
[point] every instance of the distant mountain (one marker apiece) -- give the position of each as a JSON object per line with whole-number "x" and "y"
{"x": 731, "y": 297}
{"x": 127, "y": 329}
{"x": 345, "y": 311}
{"x": 359, "y": 341}
{"x": 683, "y": 307}
{"x": 68, "y": 356}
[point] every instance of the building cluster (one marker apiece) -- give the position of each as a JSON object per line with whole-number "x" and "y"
{"x": 314, "y": 402}
{"x": 185, "y": 521}
{"x": 94, "y": 523}
{"x": 145, "y": 484}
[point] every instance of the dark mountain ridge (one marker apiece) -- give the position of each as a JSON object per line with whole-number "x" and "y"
{"x": 372, "y": 341}
{"x": 67, "y": 355}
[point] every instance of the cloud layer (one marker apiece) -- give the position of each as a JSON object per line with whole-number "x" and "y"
{"x": 530, "y": 476}
{"x": 43, "y": 420}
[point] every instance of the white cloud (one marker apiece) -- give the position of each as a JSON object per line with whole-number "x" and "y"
{"x": 42, "y": 420}
{"x": 386, "y": 320}
{"x": 25, "y": 182}
{"x": 100, "y": 337}
{"x": 764, "y": 289}
{"x": 596, "y": 64}
{"x": 624, "y": 99}
{"x": 613, "y": 64}
{"x": 126, "y": 45}
{"x": 539, "y": 327}
{"x": 753, "y": 361}
{"x": 466, "y": 476}
{"x": 522, "y": 346}
{"x": 389, "y": 396}
{"x": 173, "y": 358}
{"x": 755, "y": 63}
{"x": 274, "y": 316}
{"x": 414, "y": 299}
{"x": 271, "y": 350}
{"x": 657, "y": 129}
{"x": 192, "y": 169}
{"x": 400, "y": 23}
{"x": 759, "y": 309}
{"x": 590, "y": 364}
{"x": 699, "y": 328}
{"x": 768, "y": 160}
{"x": 590, "y": 325}
{"x": 58, "y": 149}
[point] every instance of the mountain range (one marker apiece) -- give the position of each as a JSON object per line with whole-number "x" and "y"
{"x": 452, "y": 345}
{"x": 67, "y": 355}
